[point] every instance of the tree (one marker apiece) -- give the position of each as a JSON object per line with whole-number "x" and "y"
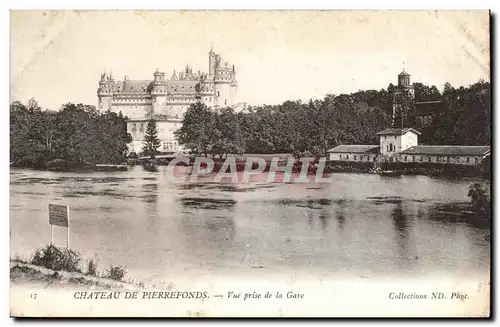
{"x": 151, "y": 141}
{"x": 77, "y": 133}
{"x": 197, "y": 132}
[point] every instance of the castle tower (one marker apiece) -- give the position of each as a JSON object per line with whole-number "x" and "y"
{"x": 159, "y": 92}
{"x": 224, "y": 77}
{"x": 205, "y": 90}
{"x": 105, "y": 92}
{"x": 234, "y": 87}
{"x": 211, "y": 64}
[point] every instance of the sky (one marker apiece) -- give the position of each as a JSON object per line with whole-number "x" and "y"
{"x": 58, "y": 56}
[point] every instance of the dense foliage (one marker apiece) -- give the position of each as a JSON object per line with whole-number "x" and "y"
{"x": 76, "y": 134}
{"x": 314, "y": 127}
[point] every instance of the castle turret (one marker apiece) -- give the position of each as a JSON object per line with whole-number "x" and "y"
{"x": 105, "y": 92}
{"x": 223, "y": 79}
{"x": 234, "y": 88}
{"x": 211, "y": 64}
{"x": 159, "y": 92}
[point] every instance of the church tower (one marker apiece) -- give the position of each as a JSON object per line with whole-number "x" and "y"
{"x": 402, "y": 100}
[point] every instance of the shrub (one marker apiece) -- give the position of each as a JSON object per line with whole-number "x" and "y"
{"x": 116, "y": 272}
{"x": 54, "y": 258}
{"x": 480, "y": 197}
{"x": 92, "y": 267}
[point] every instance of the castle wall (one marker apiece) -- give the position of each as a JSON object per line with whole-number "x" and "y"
{"x": 223, "y": 95}
{"x": 132, "y": 110}
{"x": 166, "y": 129}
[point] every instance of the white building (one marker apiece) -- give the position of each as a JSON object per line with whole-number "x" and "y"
{"x": 401, "y": 145}
{"x": 394, "y": 140}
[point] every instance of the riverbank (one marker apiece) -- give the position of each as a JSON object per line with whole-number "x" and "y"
{"x": 26, "y": 273}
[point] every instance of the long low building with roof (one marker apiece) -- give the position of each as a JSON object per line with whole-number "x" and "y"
{"x": 401, "y": 145}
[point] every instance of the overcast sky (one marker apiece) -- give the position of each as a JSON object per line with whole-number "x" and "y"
{"x": 57, "y": 57}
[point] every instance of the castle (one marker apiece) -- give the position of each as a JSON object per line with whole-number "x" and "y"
{"x": 166, "y": 100}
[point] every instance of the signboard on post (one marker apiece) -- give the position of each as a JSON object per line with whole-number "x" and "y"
{"x": 58, "y": 216}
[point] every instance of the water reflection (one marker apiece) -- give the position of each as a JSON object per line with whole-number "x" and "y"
{"x": 401, "y": 225}
{"x": 359, "y": 224}
{"x": 210, "y": 235}
{"x": 150, "y": 200}
{"x": 458, "y": 213}
{"x": 340, "y": 215}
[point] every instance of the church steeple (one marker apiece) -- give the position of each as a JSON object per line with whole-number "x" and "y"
{"x": 404, "y": 79}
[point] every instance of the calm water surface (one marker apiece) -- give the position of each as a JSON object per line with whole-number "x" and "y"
{"x": 360, "y": 224}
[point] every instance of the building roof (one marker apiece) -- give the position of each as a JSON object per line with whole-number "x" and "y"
{"x": 404, "y": 73}
{"x": 348, "y": 148}
{"x": 427, "y": 108}
{"x": 398, "y": 131}
{"x": 181, "y": 86}
{"x": 448, "y": 150}
{"x": 136, "y": 85}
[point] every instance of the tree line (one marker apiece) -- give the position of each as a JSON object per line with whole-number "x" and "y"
{"x": 77, "y": 134}
{"x": 314, "y": 127}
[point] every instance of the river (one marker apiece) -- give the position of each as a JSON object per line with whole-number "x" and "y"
{"x": 359, "y": 225}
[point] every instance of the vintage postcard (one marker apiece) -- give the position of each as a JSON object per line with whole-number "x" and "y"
{"x": 250, "y": 163}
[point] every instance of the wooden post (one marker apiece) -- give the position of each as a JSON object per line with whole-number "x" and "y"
{"x": 67, "y": 239}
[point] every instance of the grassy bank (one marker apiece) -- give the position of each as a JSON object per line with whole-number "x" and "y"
{"x": 51, "y": 265}
{"x": 26, "y": 273}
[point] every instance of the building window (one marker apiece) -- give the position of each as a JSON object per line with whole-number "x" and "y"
{"x": 428, "y": 158}
{"x": 468, "y": 159}
{"x": 413, "y": 159}
{"x": 354, "y": 157}
{"x": 374, "y": 159}
{"x": 421, "y": 159}
{"x": 347, "y": 157}
{"x": 476, "y": 160}
{"x": 406, "y": 158}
